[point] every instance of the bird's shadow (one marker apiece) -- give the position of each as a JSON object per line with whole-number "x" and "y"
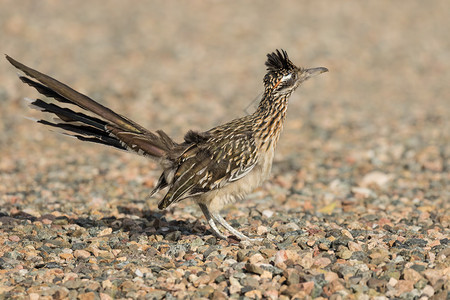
{"x": 136, "y": 223}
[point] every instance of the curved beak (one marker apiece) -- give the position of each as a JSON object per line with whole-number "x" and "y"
{"x": 315, "y": 71}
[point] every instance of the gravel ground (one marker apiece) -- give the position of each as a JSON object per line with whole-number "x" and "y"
{"x": 358, "y": 204}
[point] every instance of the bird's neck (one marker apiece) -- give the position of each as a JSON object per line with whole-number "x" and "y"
{"x": 269, "y": 118}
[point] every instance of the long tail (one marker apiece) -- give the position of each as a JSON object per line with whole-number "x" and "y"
{"x": 107, "y": 128}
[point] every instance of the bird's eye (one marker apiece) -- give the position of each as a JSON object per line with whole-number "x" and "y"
{"x": 286, "y": 82}
{"x": 289, "y": 79}
{"x": 286, "y": 77}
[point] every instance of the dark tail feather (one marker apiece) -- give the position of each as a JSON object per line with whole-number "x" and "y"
{"x": 108, "y": 128}
{"x": 68, "y": 115}
{"x": 53, "y": 86}
{"x": 80, "y": 126}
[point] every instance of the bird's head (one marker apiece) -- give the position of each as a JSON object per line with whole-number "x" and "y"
{"x": 283, "y": 77}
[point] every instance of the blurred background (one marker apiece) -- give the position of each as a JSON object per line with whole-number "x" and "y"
{"x": 179, "y": 65}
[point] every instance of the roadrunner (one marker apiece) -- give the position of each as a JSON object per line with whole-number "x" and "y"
{"x": 213, "y": 167}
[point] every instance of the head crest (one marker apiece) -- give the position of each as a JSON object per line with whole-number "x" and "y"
{"x": 277, "y": 60}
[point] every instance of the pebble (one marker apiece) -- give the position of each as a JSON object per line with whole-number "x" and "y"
{"x": 261, "y": 230}
{"x": 403, "y": 286}
{"x": 81, "y": 254}
{"x": 252, "y": 268}
{"x": 412, "y": 275}
{"x": 344, "y": 252}
{"x": 376, "y": 177}
{"x": 14, "y": 238}
{"x": 267, "y": 213}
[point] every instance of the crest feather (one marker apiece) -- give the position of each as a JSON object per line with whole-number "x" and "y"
{"x": 277, "y": 60}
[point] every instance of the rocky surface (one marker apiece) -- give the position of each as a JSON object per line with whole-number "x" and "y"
{"x": 358, "y": 204}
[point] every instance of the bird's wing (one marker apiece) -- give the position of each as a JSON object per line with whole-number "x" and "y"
{"x": 205, "y": 168}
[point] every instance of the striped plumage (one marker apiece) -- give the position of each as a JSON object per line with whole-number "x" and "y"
{"x": 214, "y": 167}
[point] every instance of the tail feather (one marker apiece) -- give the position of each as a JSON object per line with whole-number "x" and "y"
{"x": 86, "y": 133}
{"x": 44, "y": 90}
{"x": 68, "y": 115}
{"x": 107, "y": 128}
{"x": 74, "y": 97}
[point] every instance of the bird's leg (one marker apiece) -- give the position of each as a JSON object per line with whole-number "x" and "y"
{"x": 218, "y": 218}
{"x": 210, "y": 220}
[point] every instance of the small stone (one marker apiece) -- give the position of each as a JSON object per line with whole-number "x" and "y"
{"x": 105, "y": 231}
{"x": 432, "y": 275}
{"x": 362, "y": 192}
{"x": 280, "y": 258}
{"x": 428, "y": 291}
{"x": 252, "y": 268}
{"x": 107, "y": 284}
{"x": 176, "y": 235}
{"x": 261, "y": 230}
{"x": 289, "y": 227}
{"x": 138, "y": 273}
{"x": 254, "y": 294}
{"x": 379, "y": 255}
{"x": 192, "y": 278}
{"x": 33, "y": 296}
{"x": 306, "y": 260}
{"x": 61, "y": 221}
{"x": 353, "y": 246}
{"x": 156, "y": 294}
{"x": 128, "y": 286}
{"x": 235, "y": 286}
{"x": 323, "y": 247}
{"x": 421, "y": 284}
{"x": 256, "y": 258}
{"x": 197, "y": 242}
{"x": 292, "y": 290}
{"x": 249, "y": 283}
{"x": 104, "y": 296}
{"x": 266, "y": 275}
{"x": 203, "y": 279}
{"x": 271, "y": 294}
{"x": 294, "y": 257}
{"x": 220, "y": 278}
{"x": 392, "y": 281}
{"x": 205, "y": 291}
{"x": 336, "y": 286}
{"x": 392, "y": 273}
{"x": 66, "y": 256}
{"x": 267, "y": 213}
{"x": 344, "y": 252}
{"x": 292, "y": 276}
{"x": 331, "y": 276}
{"x": 267, "y": 252}
{"x": 47, "y": 221}
{"x": 241, "y": 255}
{"x": 211, "y": 241}
{"x": 87, "y": 296}
{"x": 308, "y": 287}
{"x": 218, "y": 295}
{"x": 377, "y": 178}
{"x": 310, "y": 243}
{"x": 411, "y": 274}
{"x": 322, "y": 262}
{"x": 81, "y": 254}
{"x": 404, "y": 286}
{"x": 376, "y": 283}
{"x": 73, "y": 284}
{"x": 347, "y": 233}
{"x": 14, "y": 238}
